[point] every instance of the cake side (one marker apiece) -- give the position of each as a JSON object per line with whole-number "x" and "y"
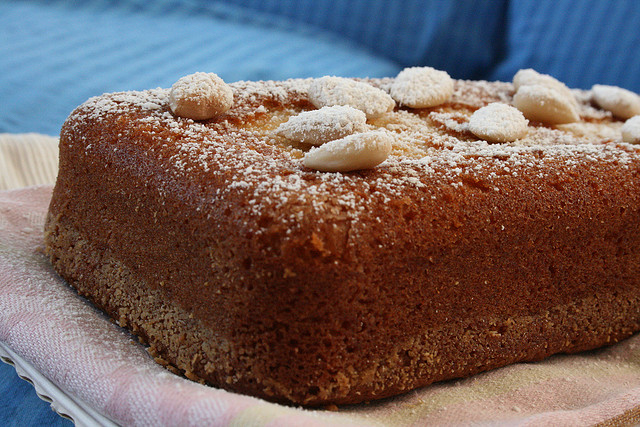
{"x": 176, "y": 340}
{"x": 261, "y": 276}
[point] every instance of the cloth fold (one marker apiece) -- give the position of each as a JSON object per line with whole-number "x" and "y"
{"x": 85, "y": 354}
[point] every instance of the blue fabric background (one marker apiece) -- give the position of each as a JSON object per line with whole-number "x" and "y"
{"x": 579, "y": 42}
{"x": 56, "y": 54}
{"x": 20, "y": 405}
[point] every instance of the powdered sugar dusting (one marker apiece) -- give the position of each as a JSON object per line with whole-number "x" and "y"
{"x": 238, "y": 153}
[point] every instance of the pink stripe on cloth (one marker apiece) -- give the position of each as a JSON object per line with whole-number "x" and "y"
{"x": 44, "y": 321}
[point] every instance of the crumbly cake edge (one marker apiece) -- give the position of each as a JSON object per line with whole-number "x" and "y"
{"x": 485, "y": 344}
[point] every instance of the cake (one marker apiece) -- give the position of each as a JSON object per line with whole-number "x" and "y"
{"x": 335, "y": 241}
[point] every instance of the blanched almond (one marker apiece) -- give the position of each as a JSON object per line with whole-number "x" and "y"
{"x": 200, "y": 96}
{"x": 621, "y": 102}
{"x": 529, "y": 76}
{"x": 498, "y": 122}
{"x": 631, "y": 130}
{"x": 545, "y": 104}
{"x": 327, "y": 91}
{"x": 421, "y": 87}
{"x": 354, "y": 152}
{"x": 316, "y": 127}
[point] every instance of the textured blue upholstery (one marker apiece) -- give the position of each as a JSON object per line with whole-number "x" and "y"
{"x": 579, "y": 42}
{"x": 56, "y": 54}
{"x": 462, "y": 37}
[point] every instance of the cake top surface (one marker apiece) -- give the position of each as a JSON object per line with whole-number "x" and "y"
{"x": 430, "y": 146}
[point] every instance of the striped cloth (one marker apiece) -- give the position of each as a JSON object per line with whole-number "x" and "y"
{"x": 44, "y": 322}
{"x": 27, "y": 159}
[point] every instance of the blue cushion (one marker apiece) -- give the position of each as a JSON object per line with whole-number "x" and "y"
{"x": 579, "y": 42}
{"x": 463, "y": 37}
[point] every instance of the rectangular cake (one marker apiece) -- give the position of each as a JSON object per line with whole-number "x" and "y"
{"x": 254, "y": 249}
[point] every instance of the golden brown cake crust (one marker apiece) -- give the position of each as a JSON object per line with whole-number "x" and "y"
{"x": 241, "y": 267}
